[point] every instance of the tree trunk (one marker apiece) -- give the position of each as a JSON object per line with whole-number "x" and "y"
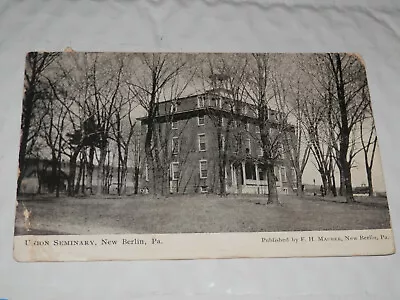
{"x": 347, "y": 182}
{"x": 239, "y": 178}
{"x": 40, "y": 178}
{"x": 324, "y": 180}
{"x": 136, "y": 180}
{"x": 160, "y": 169}
{"x": 272, "y": 190}
{"x": 72, "y": 171}
{"x": 83, "y": 186}
{"x": 222, "y": 168}
{"x": 345, "y": 130}
{"x": 59, "y": 166}
{"x": 299, "y": 184}
{"x": 101, "y": 172}
{"x": 119, "y": 176}
{"x": 222, "y": 181}
{"x": 342, "y": 184}
{"x": 90, "y": 169}
{"x": 369, "y": 178}
{"x": 54, "y": 178}
{"x": 26, "y": 123}
{"x": 78, "y": 180}
{"x": 159, "y": 178}
{"x": 328, "y": 188}
{"x": 58, "y": 175}
{"x": 334, "y": 191}
{"x": 123, "y": 181}
{"x": 124, "y": 172}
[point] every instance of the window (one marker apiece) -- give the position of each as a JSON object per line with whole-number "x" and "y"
{"x": 201, "y": 120}
{"x": 280, "y": 151}
{"x": 294, "y": 178}
{"x": 175, "y": 145}
{"x": 250, "y": 170}
{"x": 174, "y": 124}
{"x": 283, "y": 174}
{"x": 236, "y": 145}
{"x": 257, "y": 129}
{"x": 245, "y": 109}
{"x": 261, "y": 174}
{"x": 202, "y": 142}
{"x": 222, "y": 142}
{"x": 201, "y": 101}
{"x": 222, "y": 121}
{"x": 248, "y": 146}
{"x": 260, "y": 151}
{"x": 214, "y": 101}
{"x": 203, "y": 189}
{"x": 247, "y": 126}
{"x": 203, "y": 168}
{"x": 173, "y": 107}
{"x": 218, "y": 101}
{"x": 272, "y": 115}
{"x": 276, "y": 173}
{"x": 175, "y": 170}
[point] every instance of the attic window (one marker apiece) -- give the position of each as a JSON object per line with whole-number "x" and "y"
{"x": 201, "y": 101}
{"x": 173, "y": 107}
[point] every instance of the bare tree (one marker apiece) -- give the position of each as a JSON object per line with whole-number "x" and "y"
{"x": 339, "y": 78}
{"x": 349, "y": 78}
{"x": 369, "y": 142}
{"x": 265, "y": 91}
{"x": 106, "y": 82}
{"x": 156, "y": 77}
{"x": 94, "y": 82}
{"x": 53, "y": 134}
{"x": 34, "y": 92}
{"x": 124, "y": 128}
{"x": 222, "y": 81}
{"x": 298, "y": 148}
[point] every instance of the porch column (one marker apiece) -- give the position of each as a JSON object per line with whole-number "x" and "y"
{"x": 244, "y": 173}
{"x": 257, "y": 174}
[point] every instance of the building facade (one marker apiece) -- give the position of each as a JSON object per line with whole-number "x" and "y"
{"x": 196, "y": 133}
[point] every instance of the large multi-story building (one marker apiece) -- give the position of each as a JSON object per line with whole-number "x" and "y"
{"x": 195, "y": 132}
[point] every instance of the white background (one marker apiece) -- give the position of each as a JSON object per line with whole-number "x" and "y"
{"x": 369, "y": 27}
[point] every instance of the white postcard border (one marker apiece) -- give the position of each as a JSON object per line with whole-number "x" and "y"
{"x": 29, "y": 248}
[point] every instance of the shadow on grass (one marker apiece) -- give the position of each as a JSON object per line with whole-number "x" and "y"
{"x": 377, "y": 202}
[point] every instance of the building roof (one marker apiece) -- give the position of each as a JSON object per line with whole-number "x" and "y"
{"x": 207, "y": 110}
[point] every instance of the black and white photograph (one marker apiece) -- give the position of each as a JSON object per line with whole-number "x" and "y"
{"x": 140, "y": 144}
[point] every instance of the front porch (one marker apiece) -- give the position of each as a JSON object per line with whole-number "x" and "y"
{"x": 248, "y": 177}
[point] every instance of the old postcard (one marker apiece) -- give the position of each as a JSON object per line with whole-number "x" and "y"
{"x": 127, "y": 156}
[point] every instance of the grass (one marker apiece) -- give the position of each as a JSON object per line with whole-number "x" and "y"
{"x": 196, "y": 213}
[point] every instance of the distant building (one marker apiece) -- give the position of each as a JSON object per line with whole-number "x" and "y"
{"x": 38, "y": 178}
{"x": 188, "y": 128}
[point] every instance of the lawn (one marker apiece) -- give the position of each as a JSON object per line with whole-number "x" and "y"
{"x": 196, "y": 213}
